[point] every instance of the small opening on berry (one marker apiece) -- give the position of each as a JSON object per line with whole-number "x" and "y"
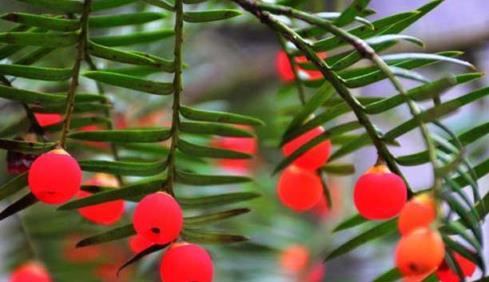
{"x": 155, "y": 230}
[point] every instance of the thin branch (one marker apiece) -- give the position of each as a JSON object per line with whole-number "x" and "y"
{"x": 177, "y": 87}
{"x": 70, "y": 99}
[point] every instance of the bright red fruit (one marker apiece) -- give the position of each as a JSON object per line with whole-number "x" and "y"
{"x": 299, "y": 189}
{"x": 158, "y": 218}
{"x": 138, "y": 243}
{"x": 420, "y": 211}
{"x": 316, "y": 156}
{"x": 107, "y": 213}
{"x": 446, "y": 274}
{"x": 379, "y": 194}
{"x": 46, "y": 119}
{"x": 30, "y": 272}
{"x": 55, "y": 177}
{"x": 284, "y": 68}
{"x": 184, "y": 262}
{"x": 316, "y": 273}
{"x": 238, "y": 144}
{"x": 294, "y": 258}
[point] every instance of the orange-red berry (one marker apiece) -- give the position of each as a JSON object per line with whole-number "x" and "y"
{"x": 446, "y": 274}
{"x": 379, "y": 194}
{"x": 299, "y": 189}
{"x": 46, "y": 119}
{"x": 420, "y": 211}
{"x": 420, "y": 252}
{"x": 314, "y": 157}
{"x": 316, "y": 273}
{"x": 184, "y": 262}
{"x": 54, "y": 177}
{"x": 246, "y": 145}
{"x": 294, "y": 258}
{"x": 158, "y": 218}
{"x": 138, "y": 243}
{"x": 106, "y": 213}
{"x": 30, "y": 272}
{"x": 284, "y": 68}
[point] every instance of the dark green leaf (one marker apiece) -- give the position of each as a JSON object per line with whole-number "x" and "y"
{"x": 140, "y": 255}
{"x": 204, "y": 237}
{"x": 54, "y": 40}
{"x": 65, "y": 6}
{"x": 127, "y": 192}
{"x": 211, "y": 128}
{"x": 142, "y": 135}
{"x": 124, "y": 168}
{"x": 392, "y": 275}
{"x": 105, "y": 21}
{"x": 350, "y": 222}
{"x": 209, "y": 15}
{"x": 100, "y": 5}
{"x": 131, "y": 82}
{"x": 19, "y": 205}
{"x": 209, "y": 152}
{"x": 107, "y": 236}
{"x": 13, "y": 185}
{"x": 217, "y": 200}
{"x": 203, "y": 180}
{"x": 25, "y": 146}
{"x": 356, "y": 8}
{"x": 218, "y": 117}
{"x": 162, "y": 4}
{"x": 52, "y": 23}
{"x": 339, "y": 168}
{"x": 39, "y": 73}
{"x": 379, "y": 230}
{"x": 214, "y": 217}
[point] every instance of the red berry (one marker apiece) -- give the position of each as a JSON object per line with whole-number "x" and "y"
{"x": 316, "y": 273}
{"x": 45, "y": 119}
{"x": 30, "y": 272}
{"x": 184, "y": 262}
{"x": 446, "y": 274}
{"x": 55, "y": 177}
{"x": 294, "y": 258}
{"x": 284, "y": 68}
{"x": 299, "y": 189}
{"x": 138, "y": 243}
{"x": 420, "y": 211}
{"x": 106, "y": 213}
{"x": 379, "y": 193}
{"x": 238, "y": 144}
{"x": 158, "y": 218}
{"x": 316, "y": 156}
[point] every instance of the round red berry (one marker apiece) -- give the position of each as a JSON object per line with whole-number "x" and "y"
{"x": 314, "y": 157}
{"x": 138, "y": 243}
{"x": 239, "y": 144}
{"x": 299, "y": 189}
{"x": 379, "y": 194}
{"x": 55, "y": 177}
{"x": 184, "y": 262}
{"x": 158, "y": 218}
{"x": 420, "y": 211}
{"x": 46, "y": 119}
{"x": 30, "y": 272}
{"x": 446, "y": 274}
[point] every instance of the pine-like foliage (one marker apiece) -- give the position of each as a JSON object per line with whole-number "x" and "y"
{"x": 93, "y": 61}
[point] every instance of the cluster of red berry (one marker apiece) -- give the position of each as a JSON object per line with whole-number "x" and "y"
{"x": 299, "y": 186}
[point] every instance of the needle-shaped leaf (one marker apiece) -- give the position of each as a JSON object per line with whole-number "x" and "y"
{"x": 39, "y": 73}
{"x": 25, "y": 146}
{"x": 209, "y": 152}
{"x": 19, "y": 205}
{"x": 13, "y": 185}
{"x": 215, "y": 116}
{"x": 51, "y": 23}
{"x": 100, "y": 5}
{"x": 162, "y": 4}
{"x": 131, "y": 82}
{"x": 107, "y": 236}
{"x": 211, "y": 128}
{"x": 142, "y": 135}
{"x": 123, "y": 167}
{"x": 127, "y": 192}
{"x": 205, "y": 237}
{"x": 379, "y": 230}
{"x": 209, "y": 15}
{"x": 54, "y": 40}
{"x": 339, "y": 168}
{"x": 350, "y": 222}
{"x": 65, "y": 6}
{"x": 213, "y": 217}
{"x": 204, "y": 179}
{"x": 140, "y": 255}
{"x": 217, "y": 200}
